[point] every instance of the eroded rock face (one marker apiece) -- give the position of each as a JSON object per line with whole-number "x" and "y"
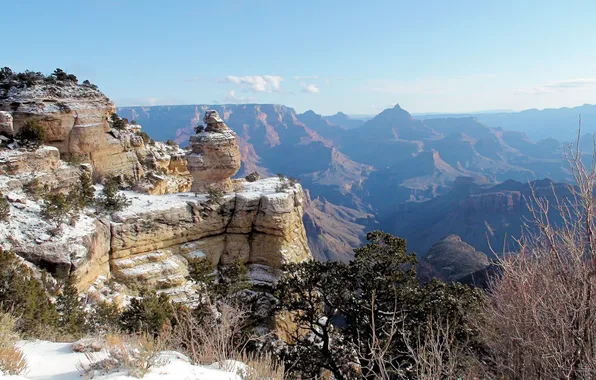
{"x": 170, "y": 173}
{"x": 75, "y": 118}
{"x": 256, "y": 226}
{"x": 214, "y": 156}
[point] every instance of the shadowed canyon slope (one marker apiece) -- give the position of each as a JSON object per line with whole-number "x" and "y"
{"x": 388, "y": 165}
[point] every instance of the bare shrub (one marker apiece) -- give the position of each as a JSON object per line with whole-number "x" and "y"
{"x": 135, "y": 353}
{"x": 434, "y": 351}
{"x": 260, "y": 367}
{"x": 539, "y": 320}
{"x": 437, "y": 354}
{"x": 12, "y": 360}
{"x": 212, "y": 335}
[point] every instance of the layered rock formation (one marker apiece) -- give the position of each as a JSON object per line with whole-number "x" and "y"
{"x": 75, "y": 118}
{"x": 214, "y": 156}
{"x": 148, "y": 244}
{"x": 257, "y": 225}
{"x": 167, "y": 170}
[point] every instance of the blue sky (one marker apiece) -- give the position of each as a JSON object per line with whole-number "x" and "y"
{"x": 326, "y": 55}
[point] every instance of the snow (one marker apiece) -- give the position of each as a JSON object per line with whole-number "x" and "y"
{"x": 144, "y": 203}
{"x": 26, "y": 225}
{"x": 57, "y": 361}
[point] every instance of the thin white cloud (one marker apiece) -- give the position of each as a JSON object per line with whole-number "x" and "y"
{"x": 306, "y": 77}
{"x": 233, "y": 98}
{"x": 311, "y": 89}
{"x": 258, "y": 83}
{"x": 559, "y": 86}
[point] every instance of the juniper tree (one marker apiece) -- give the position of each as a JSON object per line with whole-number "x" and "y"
{"x": 110, "y": 199}
{"x": 344, "y": 311}
{"x": 23, "y": 295}
{"x": 72, "y": 318}
{"x": 148, "y": 313}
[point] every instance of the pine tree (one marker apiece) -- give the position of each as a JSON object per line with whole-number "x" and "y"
{"x": 25, "y": 296}
{"x": 148, "y": 313}
{"x": 105, "y": 317}
{"x": 57, "y": 208}
{"x": 73, "y": 318}
{"x": 345, "y": 308}
{"x": 85, "y": 191}
{"x": 110, "y": 199}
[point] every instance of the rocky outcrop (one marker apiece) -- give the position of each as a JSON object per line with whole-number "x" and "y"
{"x": 19, "y": 167}
{"x": 452, "y": 259}
{"x": 75, "y": 118}
{"x": 169, "y": 173}
{"x": 257, "y": 225}
{"x": 214, "y": 156}
{"x": 147, "y": 245}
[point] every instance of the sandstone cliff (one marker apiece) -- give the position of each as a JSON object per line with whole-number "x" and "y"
{"x": 257, "y": 225}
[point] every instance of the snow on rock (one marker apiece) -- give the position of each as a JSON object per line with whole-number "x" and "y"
{"x": 57, "y": 361}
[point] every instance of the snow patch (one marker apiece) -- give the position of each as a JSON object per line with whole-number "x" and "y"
{"x": 58, "y": 361}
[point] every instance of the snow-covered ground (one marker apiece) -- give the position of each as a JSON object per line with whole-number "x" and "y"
{"x": 57, "y": 361}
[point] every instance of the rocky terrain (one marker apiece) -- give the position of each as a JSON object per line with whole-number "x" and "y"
{"x": 147, "y": 243}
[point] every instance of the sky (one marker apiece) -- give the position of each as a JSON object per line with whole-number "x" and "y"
{"x": 358, "y": 57}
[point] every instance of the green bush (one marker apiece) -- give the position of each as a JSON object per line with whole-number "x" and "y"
{"x": 145, "y": 136}
{"x": 23, "y": 295}
{"x": 118, "y": 122}
{"x": 110, "y": 199}
{"x": 105, "y": 316}
{"x": 381, "y": 306}
{"x": 34, "y": 189}
{"x": 148, "y": 313}
{"x": 31, "y": 134}
{"x": 230, "y": 280}
{"x": 56, "y": 208}
{"x": 83, "y": 194}
{"x": 72, "y": 320}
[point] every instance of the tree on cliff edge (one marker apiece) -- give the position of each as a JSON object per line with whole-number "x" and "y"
{"x": 357, "y": 320}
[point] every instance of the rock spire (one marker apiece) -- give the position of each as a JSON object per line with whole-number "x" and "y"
{"x": 214, "y": 156}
